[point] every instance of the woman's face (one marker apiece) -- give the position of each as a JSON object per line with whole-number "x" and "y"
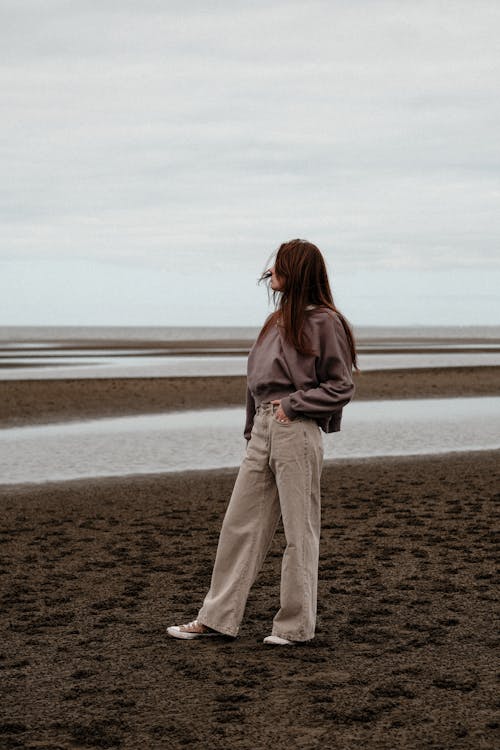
{"x": 277, "y": 283}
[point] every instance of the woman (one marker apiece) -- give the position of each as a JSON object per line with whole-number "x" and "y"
{"x": 299, "y": 378}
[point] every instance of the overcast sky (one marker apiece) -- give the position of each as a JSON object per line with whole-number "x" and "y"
{"x": 155, "y": 152}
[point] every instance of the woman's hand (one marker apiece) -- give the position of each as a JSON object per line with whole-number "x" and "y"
{"x": 280, "y": 414}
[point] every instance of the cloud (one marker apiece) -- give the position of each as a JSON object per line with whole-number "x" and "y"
{"x": 141, "y": 131}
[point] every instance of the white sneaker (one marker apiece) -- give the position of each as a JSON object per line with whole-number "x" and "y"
{"x": 191, "y": 630}
{"x": 275, "y": 640}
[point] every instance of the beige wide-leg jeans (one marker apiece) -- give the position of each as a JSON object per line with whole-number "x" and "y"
{"x": 279, "y": 476}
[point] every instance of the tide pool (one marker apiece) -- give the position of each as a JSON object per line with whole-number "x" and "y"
{"x": 212, "y": 438}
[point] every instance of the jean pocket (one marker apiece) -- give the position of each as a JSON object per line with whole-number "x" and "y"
{"x": 280, "y": 421}
{"x": 288, "y": 422}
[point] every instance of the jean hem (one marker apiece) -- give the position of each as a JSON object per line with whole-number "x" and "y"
{"x": 233, "y": 632}
{"x": 291, "y": 637}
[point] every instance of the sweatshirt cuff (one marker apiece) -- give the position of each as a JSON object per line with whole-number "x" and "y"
{"x": 285, "y": 405}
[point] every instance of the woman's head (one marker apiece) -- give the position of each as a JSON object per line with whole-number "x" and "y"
{"x": 299, "y": 278}
{"x": 299, "y": 274}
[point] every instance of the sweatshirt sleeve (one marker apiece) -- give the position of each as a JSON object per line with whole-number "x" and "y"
{"x": 334, "y": 373}
{"x": 250, "y": 413}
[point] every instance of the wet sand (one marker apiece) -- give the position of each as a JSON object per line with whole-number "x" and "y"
{"x": 93, "y": 571}
{"x": 45, "y": 401}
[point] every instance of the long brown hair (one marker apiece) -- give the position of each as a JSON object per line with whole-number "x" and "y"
{"x": 301, "y": 268}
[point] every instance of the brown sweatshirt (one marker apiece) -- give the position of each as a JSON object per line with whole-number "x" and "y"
{"x": 313, "y": 386}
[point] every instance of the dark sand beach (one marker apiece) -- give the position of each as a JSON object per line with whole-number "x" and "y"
{"x": 93, "y": 571}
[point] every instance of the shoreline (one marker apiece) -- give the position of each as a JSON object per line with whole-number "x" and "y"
{"x": 44, "y": 401}
{"x": 200, "y": 478}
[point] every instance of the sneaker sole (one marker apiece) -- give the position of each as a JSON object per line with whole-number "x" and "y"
{"x": 270, "y": 642}
{"x": 174, "y": 631}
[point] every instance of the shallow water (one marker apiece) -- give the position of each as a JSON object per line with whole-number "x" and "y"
{"x": 28, "y": 353}
{"x": 108, "y": 366}
{"x": 213, "y": 438}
